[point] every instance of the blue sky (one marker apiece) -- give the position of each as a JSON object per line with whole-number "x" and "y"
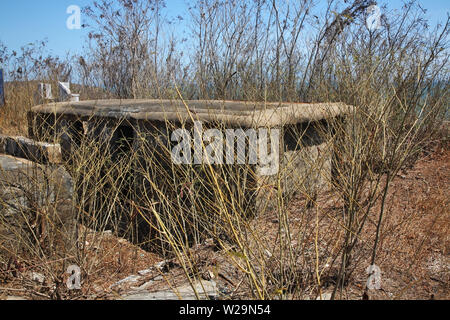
{"x": 25, "y": 21}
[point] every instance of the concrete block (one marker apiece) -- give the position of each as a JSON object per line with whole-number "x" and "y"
{"x": 35, "y": 203}
{"x": 21, "y": 147}
{"x": 205, "y": 290}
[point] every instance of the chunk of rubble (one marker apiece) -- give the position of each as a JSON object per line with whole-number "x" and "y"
{"x": 206, "y": 290}
{"x": 35, "y": 203}
{"x": 15, "y": 298}
{"x": 40, "y": 152}
{"x": 36, "y": 277}
{"x": 132, "y": 278}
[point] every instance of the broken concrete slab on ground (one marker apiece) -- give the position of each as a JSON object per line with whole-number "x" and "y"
{"x": 40, "y": 152}
{"x": 304, "y": 146}
{"x": 153, "y": 284}
{"x": 206, "y": 290}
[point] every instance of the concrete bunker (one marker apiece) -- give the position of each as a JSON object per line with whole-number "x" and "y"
{"x": 137, "y": 133}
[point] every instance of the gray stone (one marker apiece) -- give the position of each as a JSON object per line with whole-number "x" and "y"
{"x": 206, "y": 290}
{"x": 145, "y": 272}
{"x": 15, "y": 298}
{"x": 129, "y": 279}
{"x": 21, "y": 147}
{"x": 36, "y": 277}
{"x": 325, "y": 296}
{"x": 145, "y": 286}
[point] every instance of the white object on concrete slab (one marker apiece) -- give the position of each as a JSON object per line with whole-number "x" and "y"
{"x": 65, "y": 94}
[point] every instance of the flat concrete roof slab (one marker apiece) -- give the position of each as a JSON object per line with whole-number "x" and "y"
{"x": 236, "y": 113}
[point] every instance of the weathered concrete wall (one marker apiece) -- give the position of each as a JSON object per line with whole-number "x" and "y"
{"x": 35, "y": 204}
{"x": 306, "y": 152}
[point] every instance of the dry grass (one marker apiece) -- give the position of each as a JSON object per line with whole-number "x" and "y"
{"x": 413, "y": 254}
